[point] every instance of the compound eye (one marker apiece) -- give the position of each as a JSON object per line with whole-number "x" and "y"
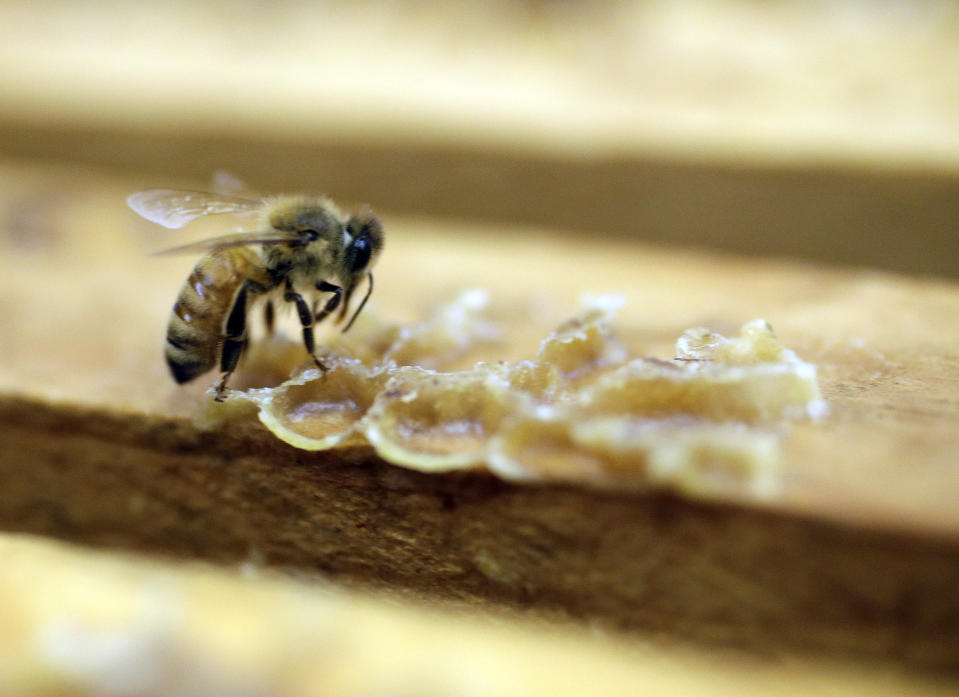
{"x": 310, "y": 235}
{"x": 361, "y": 254}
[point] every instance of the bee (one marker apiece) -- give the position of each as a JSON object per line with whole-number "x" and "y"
{"x": 297, "y": 245}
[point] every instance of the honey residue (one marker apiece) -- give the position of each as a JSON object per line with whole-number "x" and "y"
{"x": 582, "y": 410}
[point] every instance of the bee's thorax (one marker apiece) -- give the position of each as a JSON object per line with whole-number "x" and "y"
{"x": 305, "y": 265}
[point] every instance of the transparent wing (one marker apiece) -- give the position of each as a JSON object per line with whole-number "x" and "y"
{"x": 238, "y": 239}
{"x": 173, "y": 209}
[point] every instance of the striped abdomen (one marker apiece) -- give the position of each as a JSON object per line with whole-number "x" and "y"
{"x": 195, "y": 332}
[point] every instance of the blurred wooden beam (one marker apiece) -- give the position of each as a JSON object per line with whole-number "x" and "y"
{"x": 904, "y": 220}
{"x": 774, "y": 129}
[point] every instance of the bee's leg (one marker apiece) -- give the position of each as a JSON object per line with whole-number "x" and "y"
{"x": 332, "y": 303}
{"x": 306, "y": 319}
{"x": 234, "y": 340}
{"x": 269, "y": 317}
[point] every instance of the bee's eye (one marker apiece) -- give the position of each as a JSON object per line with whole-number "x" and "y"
{"x": 310, "y": 235}
{"x": 361, "y": 254}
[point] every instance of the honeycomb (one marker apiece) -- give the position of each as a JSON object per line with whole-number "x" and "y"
{"x": 582, "y": 410}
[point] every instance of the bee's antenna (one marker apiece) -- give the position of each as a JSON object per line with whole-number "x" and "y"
{"x": 366, "y": 297}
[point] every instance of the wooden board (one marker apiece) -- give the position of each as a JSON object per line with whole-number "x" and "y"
{"x": 858, "y": 554}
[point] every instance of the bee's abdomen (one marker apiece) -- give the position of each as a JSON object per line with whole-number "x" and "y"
{"x": 186, "y": 361}
{"x": 194, "y": 334}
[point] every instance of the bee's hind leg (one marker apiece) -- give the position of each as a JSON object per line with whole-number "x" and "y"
{"x": 269, "y": 317}
{"x": 221, "y": 387}
{"x": 234, "y": 339}
{"x": 306, "y": 319}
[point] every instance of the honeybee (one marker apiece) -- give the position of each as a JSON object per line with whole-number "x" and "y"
{"x": 298, "y": 244}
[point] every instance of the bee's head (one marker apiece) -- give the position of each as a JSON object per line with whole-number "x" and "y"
{"x": 364, "y": 243}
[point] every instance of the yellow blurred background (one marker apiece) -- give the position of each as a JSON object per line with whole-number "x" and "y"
{"x": 824, "y": 130}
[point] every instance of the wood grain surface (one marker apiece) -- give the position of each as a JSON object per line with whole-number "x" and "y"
{"x": 859, "y": 554}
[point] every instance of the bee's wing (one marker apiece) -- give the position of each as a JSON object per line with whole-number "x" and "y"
{"x": 174, "y": 209}
{"x": 238, "y": 239}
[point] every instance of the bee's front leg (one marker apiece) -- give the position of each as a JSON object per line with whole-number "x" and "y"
{"x": 306, "y": 319}
{"x": 332, "y": 303}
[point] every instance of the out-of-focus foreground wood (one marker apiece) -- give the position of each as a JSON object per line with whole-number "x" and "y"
{"x": 81, "y": 623}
